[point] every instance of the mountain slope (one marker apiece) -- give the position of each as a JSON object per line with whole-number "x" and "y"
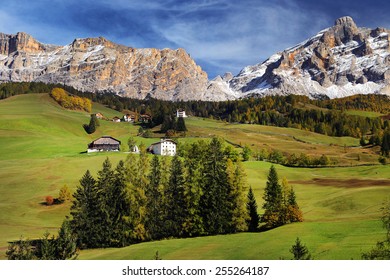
{"x": 339, "y": 61}
{"x": 96, "y": 64}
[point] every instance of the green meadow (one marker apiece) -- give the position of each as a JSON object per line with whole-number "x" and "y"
{"x": 42, "y": 148}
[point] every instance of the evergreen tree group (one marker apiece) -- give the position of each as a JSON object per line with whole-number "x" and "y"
{"x": 62, "y": 247}
{"x": 280, "y": 205}
{"x": 202, "y": 193}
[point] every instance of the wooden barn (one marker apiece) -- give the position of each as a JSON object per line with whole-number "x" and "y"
{"x": 104, "y": 143}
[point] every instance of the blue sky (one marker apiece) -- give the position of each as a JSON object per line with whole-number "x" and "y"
{"x": 221, "y": 35}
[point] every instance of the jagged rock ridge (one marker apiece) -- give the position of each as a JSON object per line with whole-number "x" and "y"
{"x": 339, "y": 61}
{"x": 97, "y": 64}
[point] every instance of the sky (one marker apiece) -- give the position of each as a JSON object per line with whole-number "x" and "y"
{"x": 220, "y": 35}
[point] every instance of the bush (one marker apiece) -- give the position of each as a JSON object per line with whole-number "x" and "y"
{"x": 49, "y": 200}
{"x": 64, "y": 194}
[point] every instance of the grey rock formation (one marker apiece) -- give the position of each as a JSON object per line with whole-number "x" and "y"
{"x": 339, "y": 61}
{"x": 96, "y": 64}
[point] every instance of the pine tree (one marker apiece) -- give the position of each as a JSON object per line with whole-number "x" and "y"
{"x": 237, "y": 196}
{"x": 254, "y": 218}
{"x": 118, "y": 206}
{"x": 20, "y": 250}
{"x": 47, "y": 248}
{"x": 193, "y": 225}
{"x": 154, "y": 220}
{"x": 181, "y": 125}
{"x": 214, "y": 203}
{"x": 86, "y": 213}
{"x": 175, "y": 201}
{"x": 300, "y": 251}
{"x": 106, "y": 200}
{"x": 294, "y": 214}
{"x": 137, "y": 169}
{"x": 93, "y": 124}
{"x": 273, "y": 201}
{"x": 385, "y": 146}
{"x": 167, "y": 124}
{"x": 66, "y": 242}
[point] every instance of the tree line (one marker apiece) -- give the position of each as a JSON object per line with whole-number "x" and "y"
{"x": 325, "y": 116}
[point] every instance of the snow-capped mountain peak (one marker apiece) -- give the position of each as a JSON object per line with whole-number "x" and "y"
{"x": 338, "y": 61}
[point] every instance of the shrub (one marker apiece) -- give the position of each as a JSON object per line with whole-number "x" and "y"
{"x": 49, "y": 200}
{"x": 64, "y": 194}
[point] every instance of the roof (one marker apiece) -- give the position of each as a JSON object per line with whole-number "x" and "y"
{"x": 106, "y": 140}
{"x": 162, "y": 141}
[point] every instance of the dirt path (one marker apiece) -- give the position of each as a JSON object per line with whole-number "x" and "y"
{"x": 350, "y": 183}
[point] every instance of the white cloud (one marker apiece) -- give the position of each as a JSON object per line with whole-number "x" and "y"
{"x": 245, "y": 35}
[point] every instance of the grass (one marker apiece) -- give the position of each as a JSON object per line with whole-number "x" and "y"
{"x": 41, "y": 147}
{"x": 343, "y": 151}
{"x": 326, "y": 240}
{"x": 340, "y": 222}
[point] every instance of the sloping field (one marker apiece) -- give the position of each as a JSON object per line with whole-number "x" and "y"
{"x": 42, "y": 148}
{"x": 344, "y": 151}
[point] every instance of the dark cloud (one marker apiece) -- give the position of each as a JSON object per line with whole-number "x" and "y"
{"x": 221, "y": 35}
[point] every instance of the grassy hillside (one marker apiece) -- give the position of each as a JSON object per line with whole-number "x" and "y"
{"x": 343, "y": 151}
{"x": 341, "y": 220}
{"x": 42, "y": 145}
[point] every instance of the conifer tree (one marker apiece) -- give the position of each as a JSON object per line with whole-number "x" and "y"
{"x": 385, "y": 144}
{"x": 137, "y": 170}
{"x": 254, "y": 218}
{"x": 47, "y": 248}
{"x": 181, "y": 125}
{"x": 193, "y": 225}
{"x": 273, "y": 200}
{"x": 106, "y": 199}
{"x": 154, "y": 220}
{"x": 294, "y": 214}
{"x": 214, "y": 203}
{"x": 175, "y": 201}
{"x": 93, "y": 124}
{"x": 300, "y": 251}
{"x": 237, "y": 196}
{"x": 167, "y": 124}
{"x": 66, "y": 242}
{"x": 86, "y": 213}
{"x": 118, "y": 206}
{"x": 20, "y": 250}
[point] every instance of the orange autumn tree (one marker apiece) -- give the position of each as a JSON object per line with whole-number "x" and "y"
{"x": 64, "y": 99}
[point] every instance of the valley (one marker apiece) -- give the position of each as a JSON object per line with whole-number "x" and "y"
{"x": 42, "y": 148}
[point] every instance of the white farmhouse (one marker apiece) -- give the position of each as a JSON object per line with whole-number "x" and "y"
{"x": 181, "y": 113}
{"x": 166, "y": 147}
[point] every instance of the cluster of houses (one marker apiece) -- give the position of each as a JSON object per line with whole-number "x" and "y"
{"x": 134, "y": 117}
{"x": 130, "y": 118}
{"x": 165, "y": 147}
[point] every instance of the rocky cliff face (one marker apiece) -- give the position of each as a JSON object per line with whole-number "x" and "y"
{"x": 339, "y": 61}
{"x": 96, "y": 64}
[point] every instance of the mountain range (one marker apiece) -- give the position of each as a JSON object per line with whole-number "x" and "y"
{"x": 339, "y": 61}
